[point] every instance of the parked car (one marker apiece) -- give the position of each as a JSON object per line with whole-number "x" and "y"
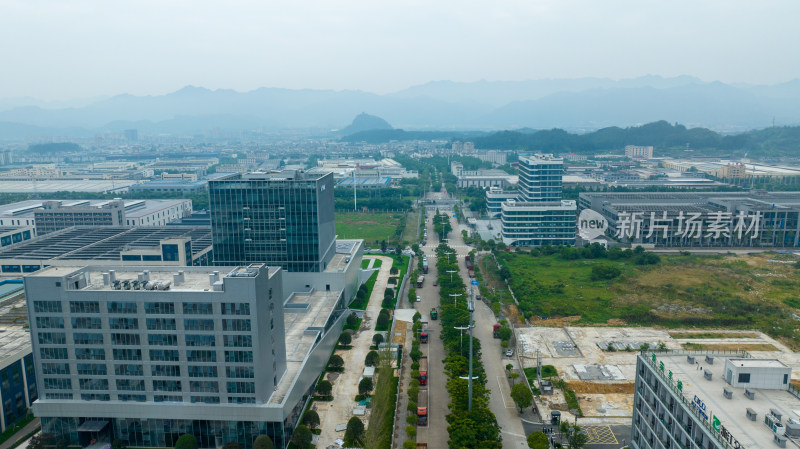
{"x": 435, "y": 283}
{"x": 509, "y": 353}
{"x": 418, "y": 298}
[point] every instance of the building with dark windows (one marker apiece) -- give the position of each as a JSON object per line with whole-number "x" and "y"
{"x": 707, "y": 400}
{"x": 148, "y": 354}
{"x": 17, "y": 376}
{"x": 538, "y": 216}
{"x": 283, "y": 219}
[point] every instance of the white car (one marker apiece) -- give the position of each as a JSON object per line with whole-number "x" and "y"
{"x": 418, "y": 298}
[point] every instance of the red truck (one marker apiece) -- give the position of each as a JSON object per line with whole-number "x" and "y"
{"x": 468, "y": 261}
{"x": 495, "y": 328}
{"x": 422, "y": 408}
{"x": 423, "y": 337}
{"x": 423, "y": 370}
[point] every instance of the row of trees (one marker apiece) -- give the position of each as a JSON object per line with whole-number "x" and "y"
{"x": 467, "y": 429}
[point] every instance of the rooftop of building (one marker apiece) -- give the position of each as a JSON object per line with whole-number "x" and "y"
{"x": 274, "y": 175}
{"x": 302, "y": 311}
{"x": 540, "y": 158}
{"x": 174, "y": 182}
{"x": 345, "y": 250}
{"x": 103, "y": 242}
{"x": 133, "y": 208}
{"x": 51, "y": 186}
{"x": 15, "y": 342}
{"x": 731, "y": 412}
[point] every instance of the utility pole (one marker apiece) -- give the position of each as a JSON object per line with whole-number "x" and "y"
{"x": 471, "y": 308}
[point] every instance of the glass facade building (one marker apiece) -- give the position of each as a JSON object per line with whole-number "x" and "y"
{"x": 282, "y": 219}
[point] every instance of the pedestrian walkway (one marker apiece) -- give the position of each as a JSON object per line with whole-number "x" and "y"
{"x": 30, "y": 427}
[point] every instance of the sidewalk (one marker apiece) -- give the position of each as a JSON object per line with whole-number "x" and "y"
{"x": 22, "y": 432}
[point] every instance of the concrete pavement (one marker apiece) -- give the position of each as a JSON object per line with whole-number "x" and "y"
{"x": 345, "y": 387}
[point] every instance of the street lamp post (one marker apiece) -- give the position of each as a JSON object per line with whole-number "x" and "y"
{"x": 455, "y": 295}
{"x": 471, "y": 308}
{"x": 448, "y": 257}
{"x": 451, "y": 274}
{"x": 461, "y": 337}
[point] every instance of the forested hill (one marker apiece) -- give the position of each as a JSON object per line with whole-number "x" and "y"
{"x": 780, "y": 141}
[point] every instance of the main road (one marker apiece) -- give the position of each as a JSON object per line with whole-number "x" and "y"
{"x": 494, "y": 363}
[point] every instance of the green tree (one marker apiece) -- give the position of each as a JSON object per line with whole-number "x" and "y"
{"x": 365, "y": 386}
{"x": 538, "y": 440}
{"x": 462, "y": 433}
{"x": 324, "y": 388}
{"x": 302, "y": 436}
{"x": 377, "y": 339}
{"x": 504, "y": 333}
{"x": 336, "y": 361}
{"x": 311, "y": 419}
{"x": 577, "y": 439}
{"x": 409, "y": 444}
{"x": 186, "y": 441}
{"x": 382, "y": 321}
{"x": 345, "y": 339}
{"x": 372, "y": 358}
{"x": 521, "y": 395}
{"x": 354, "y": 434}
{"x": 263, "y": 442}
{"x": 352, "y": 320}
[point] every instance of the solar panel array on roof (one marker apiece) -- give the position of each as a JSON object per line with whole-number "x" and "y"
{"x": 103, "y": 242}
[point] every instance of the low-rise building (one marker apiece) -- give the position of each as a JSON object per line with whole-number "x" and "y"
{"x": 18, "y": 387}
{"x": 172, "y": 185}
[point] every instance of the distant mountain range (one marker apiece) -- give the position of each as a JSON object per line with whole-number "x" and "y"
{"x": 579, "y": 105}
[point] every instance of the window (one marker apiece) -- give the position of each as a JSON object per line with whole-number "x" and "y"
{"x": 123, "y": 323}
{"x": 166, "y": 385}
{"x": 203, "y": 386}
{"x": 162, "y": 339}
{"x": 127, "y": 354}
{"x": 55, "y": 368}
{"x": 235, "y": 308}
{"x": 125, "y": 339}
{"x": 84, "y": 307}
{"x": 57, "y": 384}
{"x": 86, "y": 323}
{"x": 121, "y": 307}
{"x": 198, "y": 325}
{"x": 744, "y": 378}
{"x": 238, "y": 341}
{"x": 125, "y": 369}
{"x": 236, "y": 325}
{"x": 165, "y": 370}
{"x": 130, "y": 385}
{"x": 785, "y": 379}
{"x": 239, "y": 356}
{"x": 53, "y": 353}
{"x": 240, "y": 400}
{"x": 201, "y": 356}
{"x": 241, "y": 387}
{"x": 241, "y": 372}
{"x": 164, "y": 355}
{"x": 205, "y": 399}
{"x": 58, "y": 396}
{"x": 132, "y": 397}
{"x": 198, "y": 308}
{"x": 93, "y": 384}
{"x": 167, "y": 398}
{"x": 83, "y": 338}
{"x": 202, "y": 371}
{"x": 200, "y": 340}
{"x": 47, "y": 306}
{"x": 52, "y": 338}
{"x": 159, "y": 308}
{"x": 95, "y": 397}
{"x": 46, "y": 322}
{"x": 91, "y": 369}
{"x": 161, "y": 324}
{"x": 90, "y": 353}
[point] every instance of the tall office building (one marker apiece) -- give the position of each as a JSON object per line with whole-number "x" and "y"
{"x": 713, "y": 401}
{"x": 283, "y": 219}
{"x": 538, "y": 216}
{"x": 148, "y": 355}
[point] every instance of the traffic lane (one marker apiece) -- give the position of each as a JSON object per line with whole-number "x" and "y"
{"x": 600, "y": 436}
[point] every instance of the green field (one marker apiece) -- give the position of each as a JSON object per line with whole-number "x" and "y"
{"x": 372, "y": 227}
{"x": 411, "y": 230}
{"x": 743, "y": 292}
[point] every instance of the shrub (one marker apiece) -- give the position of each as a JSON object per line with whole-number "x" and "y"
{"x": 411, "y": 431}
{"x": 311, "y": 419}
{"x": 186, "y": 441}
{"x": 263, "y": 442}
{"x": 302, "y": 436}
{"x": 411, "y": 419}
{"x": 409, "y": 444}
{"x": 417, "y": 317}
{"x": 377, "y": 339}
{"x": 604, "y": 272}
{"x": 352, "y": 320}
{"x": 345, "y": 339}
{"x": 415, "y": 354}
{"x": 372, "y": 358}
{"x": 354, "y": 433}
{"x": 336, "y": 361}
{"x": 365, "y": 386}
{"x": 412, "y": 406}
{"x": 382, "y": 321}
{"x": 324, "y": 388}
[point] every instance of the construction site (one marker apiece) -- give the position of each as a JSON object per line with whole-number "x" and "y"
{"x": 590, "y": 371}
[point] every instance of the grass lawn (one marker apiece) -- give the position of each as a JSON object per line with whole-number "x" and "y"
{"x": 366, "y": 261}
{"x": 411, "y": 231}
{"x": 362, "y": 305}
{"x": 738, "y": 292}
{"x": 372, "y": 227}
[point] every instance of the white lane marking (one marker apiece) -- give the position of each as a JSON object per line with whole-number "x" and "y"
{"x": 502, "y": 394}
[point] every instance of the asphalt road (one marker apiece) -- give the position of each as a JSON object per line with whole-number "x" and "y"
{"x": 500, "y": 402}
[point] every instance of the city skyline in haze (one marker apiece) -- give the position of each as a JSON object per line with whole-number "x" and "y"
{"x": 87, "y": 48}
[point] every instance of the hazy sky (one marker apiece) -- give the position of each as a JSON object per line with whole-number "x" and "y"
{"x": 58, "y": 49}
